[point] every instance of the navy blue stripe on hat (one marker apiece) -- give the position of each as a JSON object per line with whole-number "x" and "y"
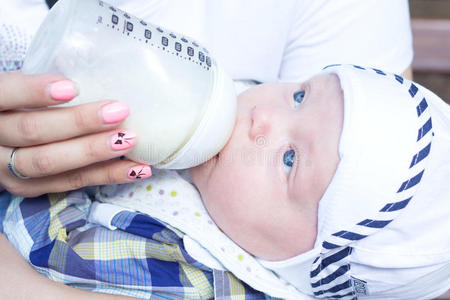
{"x": 50, "y": 3}
{"x": 349, "y": 235}
{"x": 329, "y": 266}
{"x": 424, "y": 129}
{"x": 339, "y": 272}
{"x": 374, "y": 223}
{"x": 399, "y": 78}
{"x": 332, "y": 259}
{"x": 421, "y": 155}
{"x": 396, "y": 205}
{"x": 328, "y": 245}
{"x": 411, "y": 182}
{"x": 379, "y": 72}
{"x": 421, "y": 107}
{"x": 330, "y": 66}
{"x": 413, "y": 90}
{"x": 336, "y": 288}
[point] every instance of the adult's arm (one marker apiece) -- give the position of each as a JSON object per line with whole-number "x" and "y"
{"x": 18, "y": 280}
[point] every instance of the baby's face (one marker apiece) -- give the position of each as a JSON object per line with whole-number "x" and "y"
{"x": 264, "y": 187}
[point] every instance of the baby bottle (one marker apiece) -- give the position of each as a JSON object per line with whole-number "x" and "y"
{"x": 182, "y": 104}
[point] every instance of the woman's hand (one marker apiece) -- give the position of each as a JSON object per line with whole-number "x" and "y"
{"x": 59, "y": 149}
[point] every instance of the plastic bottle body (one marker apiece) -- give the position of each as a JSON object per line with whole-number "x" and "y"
{"x": 170, "y": 82}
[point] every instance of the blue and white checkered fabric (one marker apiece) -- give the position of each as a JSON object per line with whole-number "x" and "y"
{"x": 143, "y": 258}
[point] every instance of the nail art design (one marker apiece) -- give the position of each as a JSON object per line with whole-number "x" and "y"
{"x": 140, "y": 172}
{"x": 123, "y": 140}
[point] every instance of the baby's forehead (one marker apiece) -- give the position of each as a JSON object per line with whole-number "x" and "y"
{"x": 324, "y": 82}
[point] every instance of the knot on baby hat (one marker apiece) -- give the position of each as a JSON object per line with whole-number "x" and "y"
{"x": 384, "y": 147}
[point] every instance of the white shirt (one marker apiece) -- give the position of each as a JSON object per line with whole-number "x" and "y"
{"x": 267, "y": 40}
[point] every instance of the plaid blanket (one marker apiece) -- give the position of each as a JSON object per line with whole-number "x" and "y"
{"x": 143, "y": 258}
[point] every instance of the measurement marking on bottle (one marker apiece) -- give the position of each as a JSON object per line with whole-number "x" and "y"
{"x": 178, "y": 46}
{"x": 115, "y": 19}
{"x": 128, "y": 26}
{"x": 148, "y": 34}
{"x": 190, "y": 51}
{"x": 165, "y": 41}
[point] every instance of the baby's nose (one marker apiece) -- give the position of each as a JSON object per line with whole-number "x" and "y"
{"x": 262, "y": 118}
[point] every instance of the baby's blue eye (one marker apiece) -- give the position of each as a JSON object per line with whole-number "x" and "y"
{"x": 288, "y": 160}
{"x": 298, "y": 97}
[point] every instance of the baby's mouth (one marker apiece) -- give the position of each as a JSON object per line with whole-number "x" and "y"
{"x": 215, "y": 158}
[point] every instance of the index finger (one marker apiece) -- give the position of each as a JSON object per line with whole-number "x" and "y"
{"x": 18, "y": 90}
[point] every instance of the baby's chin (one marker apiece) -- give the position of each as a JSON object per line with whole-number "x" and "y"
{"x": 201, "y": 173}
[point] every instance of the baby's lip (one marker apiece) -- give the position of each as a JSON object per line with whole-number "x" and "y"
{"x": 215, "y": 158}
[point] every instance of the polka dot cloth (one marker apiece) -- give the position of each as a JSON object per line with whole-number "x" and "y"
{"x": 168, "y": 197}
{"x": 13, "y": 45}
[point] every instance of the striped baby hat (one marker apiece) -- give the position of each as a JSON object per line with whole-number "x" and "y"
{"x": 386, "y": 138}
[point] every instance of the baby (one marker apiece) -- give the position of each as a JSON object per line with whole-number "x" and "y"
{"x": 338, "y": 186}
{"x": 350, "y": 189}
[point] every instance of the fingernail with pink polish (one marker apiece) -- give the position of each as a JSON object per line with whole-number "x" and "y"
{"x": 139, "y": 172}
{"x": 63, "y": 90}
{"x": 115, "y": 112}
{"x": 123, "y": 140}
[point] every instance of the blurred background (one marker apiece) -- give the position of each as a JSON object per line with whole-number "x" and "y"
{"x": 431, "y": 30}
{"x": 430, "y": 21}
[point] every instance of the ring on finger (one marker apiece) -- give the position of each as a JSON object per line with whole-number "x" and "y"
{"x": 11, "y": 165}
